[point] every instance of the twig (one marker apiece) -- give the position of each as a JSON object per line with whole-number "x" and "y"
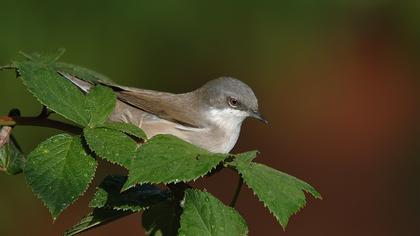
{"x": 39, "y": 121}
{"x": 45, "y": 113}
{"x": 237, "y": 191}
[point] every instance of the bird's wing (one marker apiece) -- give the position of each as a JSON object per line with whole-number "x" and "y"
{"x": 168, "y": 106}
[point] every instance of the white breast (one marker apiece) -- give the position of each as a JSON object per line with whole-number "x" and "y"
{"x": 219, "y": 134}
{"x": 229, "y": 122}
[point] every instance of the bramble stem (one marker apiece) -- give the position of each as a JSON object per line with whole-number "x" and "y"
{"x": 39, "y": 121}
{"x": 237, "y": 191}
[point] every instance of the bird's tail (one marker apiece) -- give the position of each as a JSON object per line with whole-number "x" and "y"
{"x": 83, "y": 85}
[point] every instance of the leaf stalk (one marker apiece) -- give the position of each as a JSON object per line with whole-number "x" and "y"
{"x": 237, "y": 192}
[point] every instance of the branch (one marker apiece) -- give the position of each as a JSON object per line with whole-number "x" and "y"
{"x": 40, "y": 121}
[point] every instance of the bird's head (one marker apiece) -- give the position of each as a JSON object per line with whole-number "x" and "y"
{"x": 229, "y": 100}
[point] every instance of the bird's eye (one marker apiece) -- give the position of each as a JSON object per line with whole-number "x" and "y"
{"x": 233, "y": 102}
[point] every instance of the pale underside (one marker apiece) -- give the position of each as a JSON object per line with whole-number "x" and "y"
{"x": 219, "y": 135}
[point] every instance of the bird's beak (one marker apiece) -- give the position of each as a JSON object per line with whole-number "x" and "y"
{"x": 259, "y": 116}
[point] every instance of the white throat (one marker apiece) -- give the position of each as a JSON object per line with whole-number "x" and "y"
{"x": 229, "y": 122}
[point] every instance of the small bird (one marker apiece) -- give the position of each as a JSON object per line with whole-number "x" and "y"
{"x": 209, "y": 117}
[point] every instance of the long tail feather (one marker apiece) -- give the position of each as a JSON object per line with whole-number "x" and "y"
{"x": 83, "y": 85}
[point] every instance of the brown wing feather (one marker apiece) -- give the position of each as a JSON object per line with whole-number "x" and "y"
{"x": 167, "y": 106}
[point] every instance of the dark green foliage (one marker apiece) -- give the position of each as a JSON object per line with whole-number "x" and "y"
{"x": 99, "y": 103}
{"x": 162, "y": 219}
{"x": 281, "y": 193}
{"x": 126, "y": 128}
{"x": 168, "y": 159}
{"x": 207, "y": 216}
{"x": 58, "y": 94}
{"x": 109, "y": 195}
{"x": 59, "y": 171}
{"x": 112, "y": 145}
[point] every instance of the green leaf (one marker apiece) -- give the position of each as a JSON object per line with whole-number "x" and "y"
{"x": 59, "y": 171}
{"x": 162, "y": 219}
{"x": 12, "y": 160}
{"x": 127, "y": 128}
{"x": 100, "y": 102}
{"x": 58, "y": 94}
{"x": 81, "y": 72}
{"x": 8, "y": 67}
{"x": 96, "y": 218}
{"x": 113, "y": 145}
{"x": 247, "y": 156}
{"x": 40, "y": 76}
{"x": 109, "y": 195}
{"x": 281, "y": 193}
{"x": 206, "y": 215}
{"x": 46, "y": 58}
{"x": 168, "y": 159}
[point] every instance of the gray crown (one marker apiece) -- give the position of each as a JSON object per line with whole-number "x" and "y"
{"x": 216, "y": 92}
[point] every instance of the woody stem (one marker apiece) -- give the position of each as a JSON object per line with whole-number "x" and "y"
{"x": 40, "y": 121}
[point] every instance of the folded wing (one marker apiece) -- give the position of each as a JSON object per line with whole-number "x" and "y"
{"x": 168, "y": 106}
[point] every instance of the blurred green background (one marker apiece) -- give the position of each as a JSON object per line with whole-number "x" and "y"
{"x": 338, "y": 81}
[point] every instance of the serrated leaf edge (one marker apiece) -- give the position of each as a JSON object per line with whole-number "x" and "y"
{"x": 128, "y": 186}
{"x": 303, "y": 205}
{"x": 40, "y": 101}
{"x": 96, "y": 153}
{"x": 73, "y": 200}
{"x": 105, "y": 125}
{"x": 243, "y": 221}
{"x": 118, "y": 208}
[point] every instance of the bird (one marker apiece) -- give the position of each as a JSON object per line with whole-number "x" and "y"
{"x": 209, "y": 117}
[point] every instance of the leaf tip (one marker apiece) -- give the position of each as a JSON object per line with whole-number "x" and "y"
{"x": 25, "y": 55}
{"x": 54, "y": 214}
{"x": 318, "y": 196}
{"x": 311, "y": 190}
{"x": 8, "y": 67}
{"x": 126, "y": 186}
